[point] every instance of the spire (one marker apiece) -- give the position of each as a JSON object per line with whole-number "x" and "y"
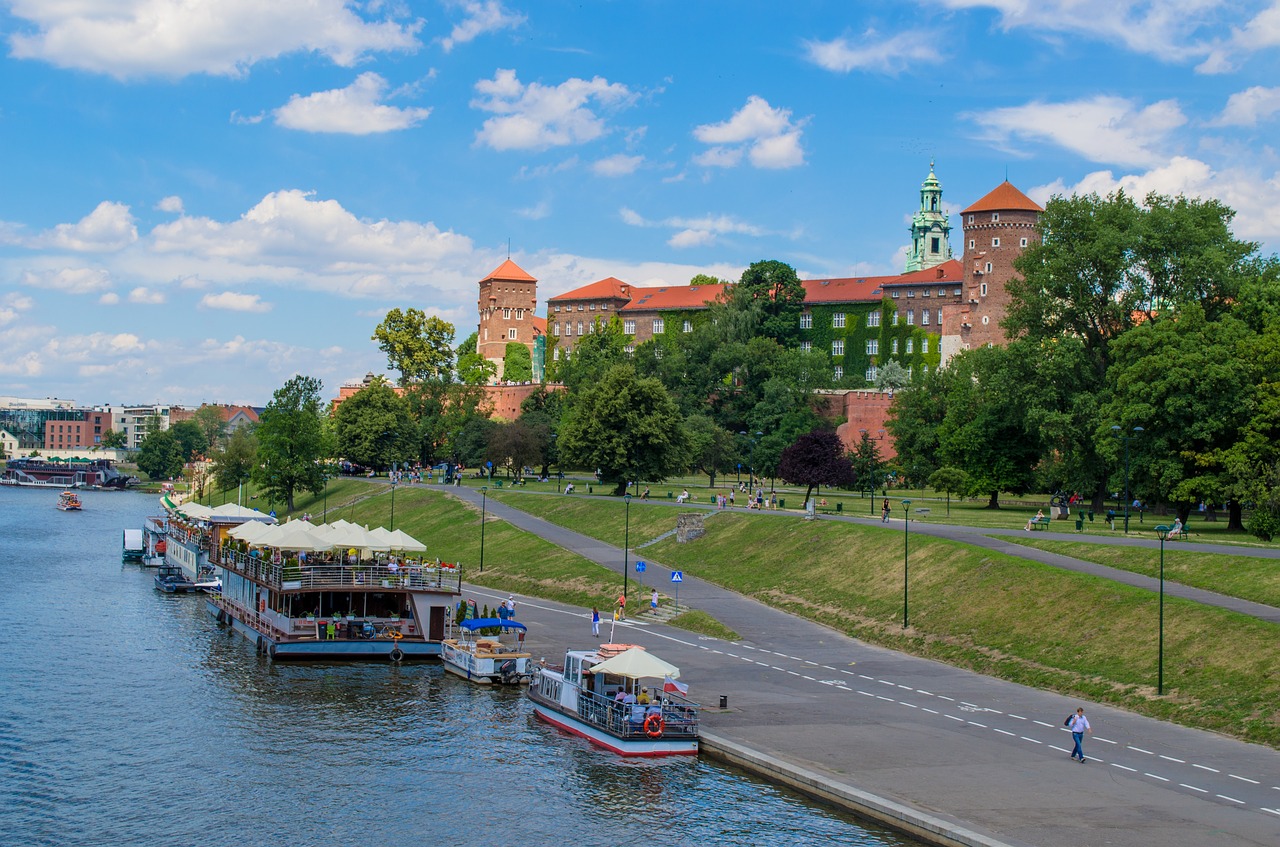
{"x": 929, "y": 227}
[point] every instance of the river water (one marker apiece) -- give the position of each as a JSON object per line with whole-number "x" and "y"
{"x": 128, "y": 717}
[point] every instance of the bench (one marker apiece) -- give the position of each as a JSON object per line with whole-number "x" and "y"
{"x": 1040, "y": 523}
{"x": 1181, "y": 534}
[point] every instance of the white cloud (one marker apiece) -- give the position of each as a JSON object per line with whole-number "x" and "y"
{"x": 93, "y": 347}
{"x": 355, "y": 110}
{"x": 172, "y": 203}
{"x": 145, "y": 295}
{"x": 1248, "y": 107}
{"x": 12, "y": 305}
{"x": 536, "y": 212}
{"x": 619, "y": 165}
{"x": 482, "y": 16}
{"x": 693, "y": 232}
{"x": 872, "y": 53}
{"x": 1260, "y": 33}
{"x": 234, "y": 302}
{"x": 1101, "y": 129}
{"x": 173, "y": 38}
{"x": 109, "y": 299}
{"x": 69, "y": 280}
{"x": 536, "y": 117}
{"x": 108, "y": 227}
{"x": 691, "y": 238}
{"x": 767, "y": 135}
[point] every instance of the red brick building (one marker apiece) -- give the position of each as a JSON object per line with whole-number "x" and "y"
{"x": 85, "y": 433}
{"x": 508, "y": 299}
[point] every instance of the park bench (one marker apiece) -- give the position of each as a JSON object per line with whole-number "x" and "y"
{"x": 1040, "y": 523}
{"x": 1181, "y": 535}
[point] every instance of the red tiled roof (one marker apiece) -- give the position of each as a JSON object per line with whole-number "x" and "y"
{"x": 510, "y": 271}
{"x": 952, "y": 270}
{"x": 539, "y": 325}
{"x": 862, "y": 289}
{"x": 1004, "y": 198}
{"x": 608, "y": 288}
{"x": 666, "y": 297}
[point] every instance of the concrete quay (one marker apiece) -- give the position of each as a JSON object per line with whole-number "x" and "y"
{"x": 948, "y": 756}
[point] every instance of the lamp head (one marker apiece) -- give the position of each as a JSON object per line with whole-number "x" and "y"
{"x": 1162, "y": 531}
{"x": 627, "y": 498}
{"x": 906, "y": 504}
{"x": 1138, "y": 429}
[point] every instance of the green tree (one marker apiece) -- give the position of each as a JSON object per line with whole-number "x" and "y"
{"x": 291, "y": 441}
{"x": 113, "y": 440}
{"x": 891, "y": 376}
{"x": 160, "y": 455}
{"x": 191, "y": 439}
{"x": 472, "y": 441}
{"x": 867, "y": 462}
{"x": 711, "y": 447}
{"x": 234, "y": 465}
{"x": 775, "y": 295}
{"x": 517, "y": 363}
{"x": 593, "y": 355}
{"x": 373, "y": 428}
{"x": 817, "y": 458}
{"x": 418, "y": 346}
{"x": 627, "y": 427}
{"x": 209, "y": 419}
{"x": 515, "y": 446}
{"x": 949, "y": 481}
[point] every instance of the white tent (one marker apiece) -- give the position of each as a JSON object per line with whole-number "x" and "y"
{"x": 289, "y": 537}
{"x": 231, "y": 510}
{"x": 249, "y": 531}
{"x": 195, "y": 510}
{"x": 636, "y": 663}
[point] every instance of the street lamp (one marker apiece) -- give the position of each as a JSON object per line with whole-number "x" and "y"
{"x": 559, "y": 471}
{"x": 1115, "y": 430}
{"x": 906, "y": 527}
{"x": 1163, "y": 532}
{"x": 393, "y": 501}
{"x": 626, "y": 543}
{"x": 484, "y": 501}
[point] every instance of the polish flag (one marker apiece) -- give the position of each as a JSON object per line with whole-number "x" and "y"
{"x": 670, "y": 686}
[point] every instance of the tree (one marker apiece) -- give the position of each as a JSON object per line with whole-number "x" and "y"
{"x": 472, "y": 441}
{"x": 373, "y": 427}
{"x": 113, "y": 440}
{"x": 949, "y": 481}
{"x": 867, "y": 462}
{"x": 418, "y": 346}
{"x": 291, "y": 441}
{"x": 517, "y": 363}
{"x": 775, "y": 291}
{"x": 627, "y": 427}
{"x": 516, "y": 446}
{"x": 209, "y": 419}
{"x": 711, "y": 447}
{"x": 234, "y": 465}
{"x": 817, "y": 458}
{"x": 891, "y": 376}
{"x": 593, "y": 355}
{"x": 191, "y": 440}
{"x": 160, "y": 455}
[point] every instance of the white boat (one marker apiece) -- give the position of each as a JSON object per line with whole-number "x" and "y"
{"x": 488, "y": 659}
{"x": 69, "y": 501}
{"x": 582, "y": 697}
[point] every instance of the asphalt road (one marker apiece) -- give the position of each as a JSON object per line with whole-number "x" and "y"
{"x": 983, "y": 754}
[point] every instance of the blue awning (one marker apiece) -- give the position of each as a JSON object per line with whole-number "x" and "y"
{"x": 485, "y": 623}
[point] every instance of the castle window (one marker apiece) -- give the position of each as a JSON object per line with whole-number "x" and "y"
{"x": 911, "y": 293}
{"x": 580, "y": 307}
{"x": 924, "y": 370}
{"x": 985, "y": 320}
{"x": 806, "y": 321}
{"x": 604, "y": 307}
{"x": 579, "y": 327}
{"x": 995, "y": 242}
{"x": 506, "y": 314}
{"x": 895, "y": 319}
{"x": 591, "y": 327}
{"x": 894, "y": 295}
{"x": 688, "y": 326}
{"x": 557, "y": 307}
{"x": 837, "y": 372}
{"x": 511, "y": 334}
{"x": 806, "y": 346}
{"x": 873, "y": 318}
{"x": 911, "y": 346}
{"x": 935, "y": 245}
{"x": 629, "y": 327}
{"x": 911, "y": 318}
{"x": 911, "y": 371}
{"x": 971, "y": 219}
{"x": 1022, "y": 243}
{"x": 924, "y": 317}
{"x": 893, "y": 346}
{"x": 939, "y": 317}
{"x": 873, "y": 346}
{"x": 592, "y": 307}
{"x": 973, "y": 242}
{"x": 988, "y": 270}
{"x": 555, "y": 328}
{"x": 630, "y": 348}
{"x": 995, "y": 216}
{"x": 658, "y": 326}
{"x": 837, "y": 347}
{"x": 942, "y": 292}
{"x": 871, "y": 374}
{"x": 837, "y": 320}
{"x": 982, "y": 290}
{"x": 924, "y": 344}
{"x": 924, "y": 293}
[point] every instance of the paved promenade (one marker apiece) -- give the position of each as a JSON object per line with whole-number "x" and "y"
{"x": 984, "y": 759}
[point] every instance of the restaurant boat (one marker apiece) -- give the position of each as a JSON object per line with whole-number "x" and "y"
{"x": 582, "y": 697}
{"x": 299, "y": 596}
{"x": 488, "y": 659}
{"x": 64, "y": 473}
{"x": 69, "y": 501}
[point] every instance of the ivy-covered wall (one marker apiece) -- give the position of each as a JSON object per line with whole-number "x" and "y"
{"x": 856, "y": 333}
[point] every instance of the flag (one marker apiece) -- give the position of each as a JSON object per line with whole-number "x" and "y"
{"x": 670, "y": 686}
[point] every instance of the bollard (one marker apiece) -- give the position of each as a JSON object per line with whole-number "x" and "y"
{"x": 724, "y": 701}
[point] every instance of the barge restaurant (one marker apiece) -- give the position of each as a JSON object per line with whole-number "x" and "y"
{"x": 193, "y": 531}
{"x": 335, "y": 591}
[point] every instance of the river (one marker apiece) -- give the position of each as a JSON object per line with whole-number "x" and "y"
{"x": 131, "y": 718}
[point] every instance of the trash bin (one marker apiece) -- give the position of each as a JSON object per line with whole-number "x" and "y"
{"x": 1091, "y": 515}
{"x": 839, "y": 507}
{"x": 670, "y": 495}
{"x": 1079, "y": 523}
{"x": 588, "y": 488}
{"x": 782, "y": 503}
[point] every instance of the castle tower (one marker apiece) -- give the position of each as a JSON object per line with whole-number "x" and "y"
{"x": 929, "y": 228}
{"x": 508, "y": 297}
{"x": 997, "y": 229}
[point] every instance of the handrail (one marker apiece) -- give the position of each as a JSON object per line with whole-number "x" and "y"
{"x": 363, "y": 575}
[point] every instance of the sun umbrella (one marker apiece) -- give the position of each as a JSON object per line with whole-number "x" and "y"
{"x": 636, "y": 663}
{"x": 402, "y": 540}
{"x": 249, "y": 530}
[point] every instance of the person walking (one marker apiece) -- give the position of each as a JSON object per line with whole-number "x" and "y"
{"x": 1079, "y": 725}
{"x": 653, "y": 602}
{"x": 595, "y": 621}
{"x": 622, "y": 608}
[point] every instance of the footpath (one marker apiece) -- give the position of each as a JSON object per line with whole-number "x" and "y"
{"x": 948, "y": 755}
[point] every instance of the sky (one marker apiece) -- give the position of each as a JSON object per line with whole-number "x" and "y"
{"x": 202, "y": 198}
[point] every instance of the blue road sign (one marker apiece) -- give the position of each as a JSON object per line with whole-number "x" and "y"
{"x": 639, "y": 567}
{"x": 677, "y": 576}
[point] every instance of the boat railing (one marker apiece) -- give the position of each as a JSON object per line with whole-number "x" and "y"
{"x": 626, "y": 720}
{"x": 192, "y": 538}
{"x": 288, "y": 574}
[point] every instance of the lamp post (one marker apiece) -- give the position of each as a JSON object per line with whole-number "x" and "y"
{"x": 1125, "y": 437}
{"x": 626, "y": 542}
{"x": 559, "y": 471}
{"x": 906, "y": 531}
{"x": 393, "y": 501}
{"x": 484, "y": 502}
{"x": 1162, "y": 532}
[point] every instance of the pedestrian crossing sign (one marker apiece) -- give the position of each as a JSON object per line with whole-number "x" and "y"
{"x": 677, "y": 576}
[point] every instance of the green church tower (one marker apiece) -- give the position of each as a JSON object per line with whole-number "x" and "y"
{"x": 929, "y": 228}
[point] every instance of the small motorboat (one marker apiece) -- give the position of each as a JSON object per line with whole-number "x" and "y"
{"x": 69, "y": 501}
{"x": 488, "y": 659}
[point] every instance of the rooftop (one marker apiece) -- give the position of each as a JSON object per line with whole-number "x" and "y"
{"x": 1004, "y": 198}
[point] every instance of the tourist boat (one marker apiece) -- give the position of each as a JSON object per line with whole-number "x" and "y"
{"x": 68, "y": 473}
{"x": 132, "y": 547}
{"x": 488, "y": 659}
{"x": 171, "y": 580}
{"x": 580, "y": 697}
{"x": 69, "y": 501}
{"x": 153, "y": 536}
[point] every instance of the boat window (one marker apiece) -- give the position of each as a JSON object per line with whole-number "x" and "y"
{"x": 571, "y": 668}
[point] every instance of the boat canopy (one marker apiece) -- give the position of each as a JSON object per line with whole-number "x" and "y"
{"x": 485, "y": 623}
{"x": 133, "y": 539}
{"x": 636, "y": 663}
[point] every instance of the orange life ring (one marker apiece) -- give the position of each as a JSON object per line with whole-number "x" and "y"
{"x": 654, "y": 726}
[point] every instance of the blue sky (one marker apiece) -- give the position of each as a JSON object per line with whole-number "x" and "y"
{"x": 201, "y": 198}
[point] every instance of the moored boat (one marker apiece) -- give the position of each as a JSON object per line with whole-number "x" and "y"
{"x": 488, "y": 659}
{"x": 594, "y": 695}
{"x": 171, "y": 580}
{"x": 69, "y": 501}
{"x": 64, "y": 473}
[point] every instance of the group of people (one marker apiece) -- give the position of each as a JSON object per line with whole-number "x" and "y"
{"x": 619, "y": 611}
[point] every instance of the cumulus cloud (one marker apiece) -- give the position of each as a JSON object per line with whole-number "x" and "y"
{"x": 174, "y": 38}
{"x": 355, "y": 110}
{"x": 480, "y": 17}
{"x": 536, "y": 116}
{"x": 233, "y": 301}
{"x": 12, "y": 305}
{"x": 1260, "y": 33}
{"x": 535, "y": 212}
{"x": 1101, "y": 129}
{"x": 172, "y": 204}
{"x": 766, "y": 135}
{"x": 693, "y": 232}
{"x": 145, "y": 295}
{"x": 69, "y": 280}
{"x": 619, "y": 165}
{"x": 1248, "y": 107}
{"x": 872, "y": 52}
{"x": 109, "y": 299}
{"x": 108, "y": 227}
